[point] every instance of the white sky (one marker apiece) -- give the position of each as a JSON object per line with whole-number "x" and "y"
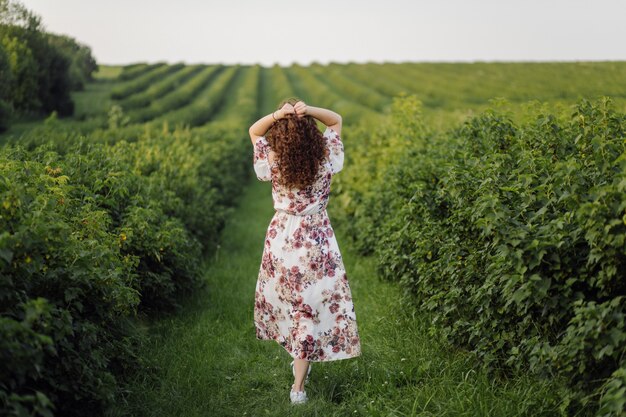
{"x": 301, "y": 31}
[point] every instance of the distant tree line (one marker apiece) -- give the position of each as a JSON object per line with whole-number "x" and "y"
{"x": 37, "y": 69}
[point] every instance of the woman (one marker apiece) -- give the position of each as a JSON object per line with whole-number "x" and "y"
{"x": 302, "y": 296}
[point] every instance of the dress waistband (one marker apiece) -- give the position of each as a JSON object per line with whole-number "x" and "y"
{"x": 299, "y": 214}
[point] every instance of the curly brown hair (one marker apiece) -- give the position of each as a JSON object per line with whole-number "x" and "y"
{"x": 299, "y": 148}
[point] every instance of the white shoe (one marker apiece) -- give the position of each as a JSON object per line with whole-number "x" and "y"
{"x": 297, "y": 397}
{"x": 293, "y": 371}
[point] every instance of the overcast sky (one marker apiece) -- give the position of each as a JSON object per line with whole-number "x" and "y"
{"x": 284, "y": 32}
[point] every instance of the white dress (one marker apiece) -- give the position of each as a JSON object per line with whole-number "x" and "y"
{"x": 302, "y": 297}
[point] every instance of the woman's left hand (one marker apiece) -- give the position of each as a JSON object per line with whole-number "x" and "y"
{"x": 300, "y": 108}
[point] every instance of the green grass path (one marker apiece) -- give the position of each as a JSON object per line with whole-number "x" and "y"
{"x": 207, "y": 361}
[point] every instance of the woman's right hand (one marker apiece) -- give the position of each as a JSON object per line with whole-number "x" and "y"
{"x": 301, "y": 108}
{"x": 285, "y": 110}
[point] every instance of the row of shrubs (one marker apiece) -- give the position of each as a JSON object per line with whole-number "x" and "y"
{"x": 144, "y": 81}
{"x": 511, "y": 235}
{"x": 160, "y": 88}
{"x": 92, "y": 233}
{"x": 182, "y": 96}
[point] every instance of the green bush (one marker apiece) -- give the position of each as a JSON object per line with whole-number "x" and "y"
{"x": 38, "y": 69}
{"x": 94, "y": 231}
{"x": 511, "y": 236}
{"x": 65, "y": 293}
{"x": 83, "y": 64}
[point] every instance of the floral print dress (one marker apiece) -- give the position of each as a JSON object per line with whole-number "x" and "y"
{"x": 302, "y": 296}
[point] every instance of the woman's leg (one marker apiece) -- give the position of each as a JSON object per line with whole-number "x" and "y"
{"x": 301, "y": 367}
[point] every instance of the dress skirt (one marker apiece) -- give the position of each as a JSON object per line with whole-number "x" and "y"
{"x": 302, "y": 297}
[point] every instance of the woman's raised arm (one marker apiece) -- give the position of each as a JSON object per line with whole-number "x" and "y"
{"x": 261, "y": 126}
{"x": 328, "y": 117}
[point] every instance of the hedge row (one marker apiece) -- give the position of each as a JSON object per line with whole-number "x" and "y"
{"x": 144, "y": 81}
{"x": 161, "y": 88}
{"x": 512, "y": 236}
{"x": 202, "y": 109}
{"x": 90, "y": 235}
{"x": 306, "y": 84}
{"x": 138, "y": 69}
{"x": 180, "y": 97}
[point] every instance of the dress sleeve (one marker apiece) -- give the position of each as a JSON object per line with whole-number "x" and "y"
{"x": 260, "y": 159}
{"x": 335, "y": 148}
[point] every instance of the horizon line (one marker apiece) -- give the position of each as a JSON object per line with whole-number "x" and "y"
{"x": 381, "y": 62}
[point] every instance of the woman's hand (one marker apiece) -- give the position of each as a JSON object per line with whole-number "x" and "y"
{"x": 285, "y": 110}
{"x": 301, "y": 109}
